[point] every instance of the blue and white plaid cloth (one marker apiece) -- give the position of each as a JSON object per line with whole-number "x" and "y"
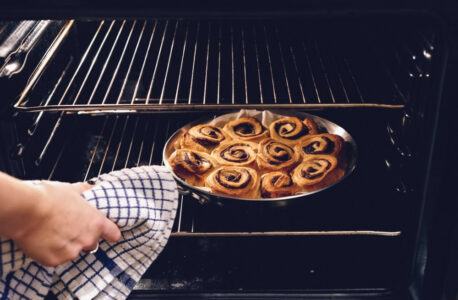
{"x": 142, "y": 202}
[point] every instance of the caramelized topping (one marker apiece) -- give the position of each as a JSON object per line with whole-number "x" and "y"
{"x": 315, "y": 168}
{"x": 192, "y": 162}
{"x": 320, "y": 145}
{"x": 233, "y": 178}
{"x": 275, "y": 152}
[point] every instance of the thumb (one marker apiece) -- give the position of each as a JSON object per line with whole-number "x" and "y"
{"x": 110, "y": 231}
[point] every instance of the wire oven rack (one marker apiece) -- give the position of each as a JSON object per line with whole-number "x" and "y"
{"x": 87, "y": 147}
{"x": 181, "y": 65}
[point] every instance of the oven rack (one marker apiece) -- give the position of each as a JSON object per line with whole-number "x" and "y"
{"x": 190, "y": 224}
{"x": 83, "y": 147}
{"x": 187, "y": 65}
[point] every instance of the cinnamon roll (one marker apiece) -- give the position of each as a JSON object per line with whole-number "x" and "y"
{"x": 275, "y": 156}
{"x": 290, "y": 130}
{"x": 236, "y": 153}
{"x": 246, "y": 129}
{"x": 277, "y": 184}
{"x": 202, "y": 138}
{"x": 325, "y": 143}
{"x": 317, "y": 171}
{"x": 192, "y": 166}
{"x": 235, "y": 181}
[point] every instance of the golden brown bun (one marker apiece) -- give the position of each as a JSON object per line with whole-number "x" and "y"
{"x": 234, "y": 181}
{"x": 246, "y": 129}
{"x": 203, "y": 138}
{"x": 236, "y": 153}
{"x": 291, "y": 130}
{"x": 316, "y": 172}
{"x": 276, "y": 156}
{"x": 246, "y": 160}
{"x": 192, "y": 166}
{"x": 277, "y": 184}
{"x": 322, "y": 144}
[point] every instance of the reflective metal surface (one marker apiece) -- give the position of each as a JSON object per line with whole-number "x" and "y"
{"x": 203, "y": 196}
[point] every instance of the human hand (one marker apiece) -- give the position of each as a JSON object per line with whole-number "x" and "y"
{"x": 62, "y": 225}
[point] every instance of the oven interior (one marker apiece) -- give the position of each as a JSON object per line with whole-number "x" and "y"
{"x": 99, "y": 95}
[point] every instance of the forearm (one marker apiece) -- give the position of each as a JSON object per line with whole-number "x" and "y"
{"x": 19, "y": 206}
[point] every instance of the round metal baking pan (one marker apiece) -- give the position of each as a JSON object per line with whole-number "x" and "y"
{"x": 205, "y": 196}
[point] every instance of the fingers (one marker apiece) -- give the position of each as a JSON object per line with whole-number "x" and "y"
{"x": 81, "y": 187}
{"x": 52, "y": 257}
{"x": 90, "y": 247}
{"x": 110, "y": 231}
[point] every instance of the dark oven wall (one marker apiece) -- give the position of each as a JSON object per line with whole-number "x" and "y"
{"x": 138, "y": 8}
{"x": 378, "y": 75}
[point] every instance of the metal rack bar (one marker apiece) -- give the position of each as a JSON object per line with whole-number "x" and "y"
{"x": 180, "y": 214}
{"x": 45, "y": 61}
{"x": 287, "y": 233}
{"x": 59, "y": 156}
{"x": 218, "y": 95}
{"x": 106, "y": 62}
{"x": 131, "y": 143}
{"x": 118, "y": 148}
{"x": 181, "y": 64}
{"x": 325, "y": 73}
{"x": 258, "y": 67}
{"x": 134, "y": 55}
{"x": 105, "y": 153}
{"x": 270, "y": 65}
{"x": 158, "y": 58}
{"x": 140, "y": 150}
{"x": 206, "y": 63}
{"x": 94, "y": 151}
{"x": 299, "y": 80}
{"x": 168, "y": 63}
{"x": 120, "y": 136}
{"x": 343, "y": 87}
{"x": 267, "y": 68}
{"x": 154, "y": 143}
{"x": 282, "y": 58}
{"x": 140, "y": 76}
{"x": 233, "y": 66}
{"x": 352, "y": 76}
{"x": 245, "y": 80}
{"x": 193, "y": 64}
{"x": 91, "y": 66}
{"x": 37, "y": 120}
{"x": 126, "y": 108}
{"x": 121, "y": 59}
{"x": 311, "y": 72}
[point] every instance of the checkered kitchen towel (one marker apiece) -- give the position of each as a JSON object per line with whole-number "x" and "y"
{"x": 143, "y": 202}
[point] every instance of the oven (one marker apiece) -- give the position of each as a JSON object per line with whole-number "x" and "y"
{"x": 88, "y": 88}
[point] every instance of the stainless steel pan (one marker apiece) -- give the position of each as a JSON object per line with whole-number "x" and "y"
{"x": 206, "y": 197}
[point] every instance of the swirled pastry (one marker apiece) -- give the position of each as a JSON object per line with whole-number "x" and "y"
{"x": 192, "y": 166}
{"x": 276, "y": 156}
{"x": 246, "y": 129}
{"x": 236, "y": 153}
{"x": 291, "y": 130}
{"x": 317, "y": 171}
{"x": 325, "y": 143}
{"x": 235, "y": 181}
{"x": 202, "y": 138}
{"x": 277, "y": 184}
